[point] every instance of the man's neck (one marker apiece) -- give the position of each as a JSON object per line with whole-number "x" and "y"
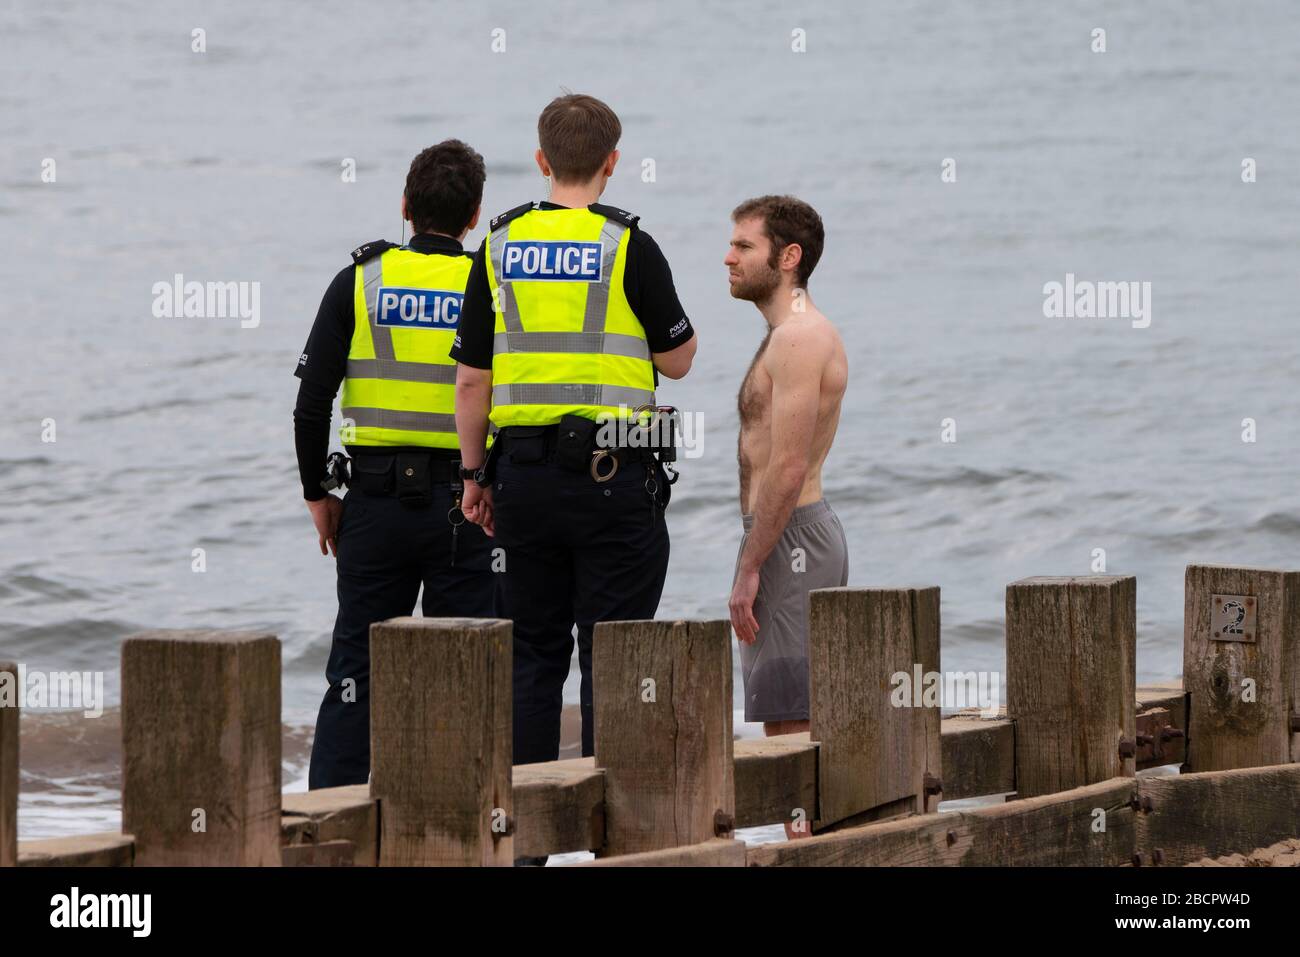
{"x": 779, "y": 307}
{"x": 575, "y": 195}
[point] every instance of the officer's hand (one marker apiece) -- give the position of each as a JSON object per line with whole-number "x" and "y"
{"x": 476, "y": 503}
{"x": 741, "y": 605}
{"x": 325, "y": 514}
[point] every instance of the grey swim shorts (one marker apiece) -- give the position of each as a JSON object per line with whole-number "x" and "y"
{"x": 811, "y": 553}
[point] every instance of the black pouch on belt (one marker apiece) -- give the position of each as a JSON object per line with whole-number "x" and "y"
{"x": 372, "y": 474}
{"x": 575, "y": 440}
{"x": 414, "y": 480}
{"x": 525, "y": 444}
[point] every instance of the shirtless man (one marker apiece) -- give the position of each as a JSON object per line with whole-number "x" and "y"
{"x": 789, "y": 408}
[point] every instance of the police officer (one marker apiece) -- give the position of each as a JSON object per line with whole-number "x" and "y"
{"x": 569, "y": 312}
{"x": 384, "y": 329}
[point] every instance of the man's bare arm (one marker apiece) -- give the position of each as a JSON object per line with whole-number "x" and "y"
{"x": 473, "y": 403}
{"x": 794, "y": 360}
{"x": 675, "y": 363}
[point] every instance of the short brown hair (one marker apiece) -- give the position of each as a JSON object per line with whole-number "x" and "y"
{"x": 787, "y": 221}
{"x": 577, "y": 133}
{"x": 444, "y": 187}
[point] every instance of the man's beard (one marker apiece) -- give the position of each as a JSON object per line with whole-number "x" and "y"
{"x": 760, "y": 288}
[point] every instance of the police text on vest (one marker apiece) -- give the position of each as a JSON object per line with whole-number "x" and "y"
{"x": 419, "y": 308}
{"x": 554, "y": 261}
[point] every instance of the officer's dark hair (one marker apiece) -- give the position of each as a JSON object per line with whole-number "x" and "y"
{"x": 787, "y": 221}
{"x": 577, "y": 133}
{"x": 444, "y": 187}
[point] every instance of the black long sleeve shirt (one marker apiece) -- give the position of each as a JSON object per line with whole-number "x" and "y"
{"x": 647, "y": 284}
{"x": 322, "y": 366}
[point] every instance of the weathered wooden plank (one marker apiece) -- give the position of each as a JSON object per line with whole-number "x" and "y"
{"x": 776, "y": 780}
{"x": 927, "y": 774}
{"x": 201, "y": 748}
{"x": 440, "y": 740}
{"x": 10, "y": 697}
{"x": 559, "y": 807}
{"x": 1161, "y": 725}
{"x": 1071, "y": 676}
{"x": 717, "y": 852}
{"x": 979, "y": 756}
{"x": 1050, "y": 830}
{"x": 662, "y": 694}
{"x": 1168, "y": 696}
{"x": 109, "y": 849}
{"x": 1190, "y": 816}
{"x": 1242, "y": 693}
{"x": 870, "y": 753}
{"x": 327, "y": 815}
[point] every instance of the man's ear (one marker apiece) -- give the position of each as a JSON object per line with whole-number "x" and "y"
{"x": 474, "y": 219}
{"x": 791, "y": 256}
{"x": 405, "y": 215}
{"x": 610, "y": 162}
{"x": 542, "y": 165}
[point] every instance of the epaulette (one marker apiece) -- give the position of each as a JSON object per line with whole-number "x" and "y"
{"x": 499, "y": 221}
{"x": 371, "y": 250}
{"x": 616, "y": 214}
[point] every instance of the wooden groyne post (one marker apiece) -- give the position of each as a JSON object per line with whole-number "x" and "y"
{"x": 440, "y": 740}
{"x": 1071, "y": 680}
{"x": 9, "y": 767}
{"x": 875, "y": 759}
{"x": 201, "y": 747}
{"x": 1241, "y": 666}
{"x": 669, "y": 786}
{"x": 663, "y": 738}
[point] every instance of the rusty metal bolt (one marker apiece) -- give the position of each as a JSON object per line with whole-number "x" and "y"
{"x": 1127, "y": 748}
{"x": 1166, "y": 733}
{"x": 1147, "y": 805}
{"x": 723, "y": 823}
{"x": 1295, "y": 723}
{"x": 1144, "y": 739}
{"x": 952, "y": 838}
{"x": 932, "y": 784}
{"x": 1158, "y": 856}
{"x": 1137, "y": 860}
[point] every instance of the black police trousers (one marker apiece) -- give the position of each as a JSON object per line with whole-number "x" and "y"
{"x": 576, "y": 552}
{"x": 386, "y": 551}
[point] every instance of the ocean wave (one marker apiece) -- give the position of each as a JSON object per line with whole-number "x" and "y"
{"x": 26, "y": 589}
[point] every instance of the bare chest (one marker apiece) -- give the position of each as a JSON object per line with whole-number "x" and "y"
{"x": 755, "y": 397}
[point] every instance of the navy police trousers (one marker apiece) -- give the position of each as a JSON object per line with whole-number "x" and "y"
{"x": 386, "y": 551}
{"x": 576, "y": 552}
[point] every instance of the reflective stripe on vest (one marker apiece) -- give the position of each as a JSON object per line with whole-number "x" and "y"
{"x": 549, "y": 359}
{"x": 400, "y": 384}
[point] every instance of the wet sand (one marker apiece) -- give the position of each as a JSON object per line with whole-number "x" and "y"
{"x": 71, "y": 768}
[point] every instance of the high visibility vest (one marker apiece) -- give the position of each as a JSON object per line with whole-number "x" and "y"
{"x": 400, "y": 385}
{"x": 566, "y": 341}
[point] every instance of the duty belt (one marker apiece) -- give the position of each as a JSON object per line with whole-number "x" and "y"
{"x": 407, "y": 476}
{"x": 601, "y": 463}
